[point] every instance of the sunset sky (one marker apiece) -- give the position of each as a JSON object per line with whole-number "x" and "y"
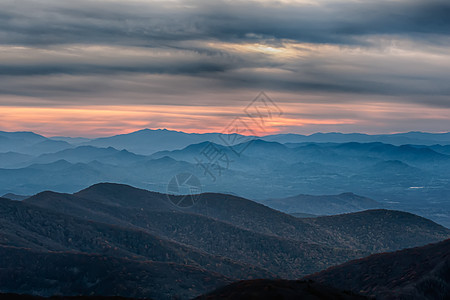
{"x": 95, "y": 68}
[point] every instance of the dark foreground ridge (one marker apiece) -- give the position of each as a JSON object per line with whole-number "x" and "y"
{"x": 263, "y": 289}
{"x": 31, "y": 297}
{"x": 416, "y": 273}
{"x": 137, "y": 241}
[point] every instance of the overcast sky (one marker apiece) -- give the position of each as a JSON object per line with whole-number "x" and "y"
{"x": 92, "y": 68}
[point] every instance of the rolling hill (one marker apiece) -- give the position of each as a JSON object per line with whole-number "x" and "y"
{"x": 416, "y": 273}
{"x": 222, "y": 238}
{"x": 73, "y": 274}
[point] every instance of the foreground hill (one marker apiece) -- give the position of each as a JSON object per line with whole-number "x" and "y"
{"x": 222, "y": 236}
{"x": 28, "y": 226}
{"x": 10, "y": 296}
{"x": 417, "y": 273}
{"x": 279, "y": 289}
{"x": 153, "y": 213}
{"x": 383, "y": 230}
{"x": 122, "y": 204}
{"x": 60, "y": 273}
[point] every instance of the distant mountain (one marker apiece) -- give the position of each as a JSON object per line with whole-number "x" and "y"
{"x": 60, "y": 176}
{"x": 417, "y": 138}
{"x": 114, "y": 166}
{"x": 47, "y": 146}
{"x": 23, "y": 136}
{"x": 405, "y": 153}
{"x": 441, "y": 149}
{"x": 12, "y": 196}
{"x": 406, "y": 177}
{"x": 13, "y": 159}
{"x": 303, "y": 215}
{"x": 16, "y": 141}
{"x": 149, "y": 141}
{"x": 392, "y": 166}
{"x": 322, "y": 205}
{"x": 417, "y": 273}
{"x": 86, "y": 154}
{"x": 71, "y": 140}
{"x": 278, "y": 289}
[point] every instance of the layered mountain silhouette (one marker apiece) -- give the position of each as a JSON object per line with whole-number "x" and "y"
{"x": 145, "y": 246}
{"x": 412, "y": 177}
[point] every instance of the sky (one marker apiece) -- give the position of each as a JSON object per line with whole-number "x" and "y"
{"x": 103, "y": 67}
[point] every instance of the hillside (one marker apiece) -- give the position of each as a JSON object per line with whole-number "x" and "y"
{"x": 233, "y": 237}
{"x": 141, "y": 208}
{"x": 27, "y": 226}
{"x": 72, "y": 274}
{"x": 279, "y": 289}
{"x": 369, "y": 227}
{"x": 417, "y": 273}
{"x": 152, "y": 212}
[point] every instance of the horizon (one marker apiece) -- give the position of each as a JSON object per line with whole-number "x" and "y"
{"x": 212, "y": 132}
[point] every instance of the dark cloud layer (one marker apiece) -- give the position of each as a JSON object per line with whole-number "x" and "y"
{"x": 210, "y": 46}
{"x": 156, "y": 23}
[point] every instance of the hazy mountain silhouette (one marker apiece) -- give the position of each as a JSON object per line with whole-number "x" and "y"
{"x": 18, "y": 141}
{"x": 47, "y": 146}
{"x": 13, "y": 159}
{"x": 408, "y": 177}
{"x": 149, "y": 141}
{"x": 86, "y": 154}
{"x": 418, "y": 138}
{"x": 12, "y": 196}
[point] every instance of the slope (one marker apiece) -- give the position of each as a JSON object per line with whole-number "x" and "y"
{"x": 417, "y": 273}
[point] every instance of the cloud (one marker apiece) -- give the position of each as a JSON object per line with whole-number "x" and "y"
{"x": 150, "y": 23}
{"x": 221, "y": 53}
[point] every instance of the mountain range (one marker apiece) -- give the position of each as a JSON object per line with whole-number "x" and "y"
{"x": 406, "y": 177}
{"x": 416, "y": 273}
{"x": 145, "y": 246}
{"x": 143, "y": 141}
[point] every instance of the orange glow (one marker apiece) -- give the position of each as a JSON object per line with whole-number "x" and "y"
{"x": 94, "y": 121}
